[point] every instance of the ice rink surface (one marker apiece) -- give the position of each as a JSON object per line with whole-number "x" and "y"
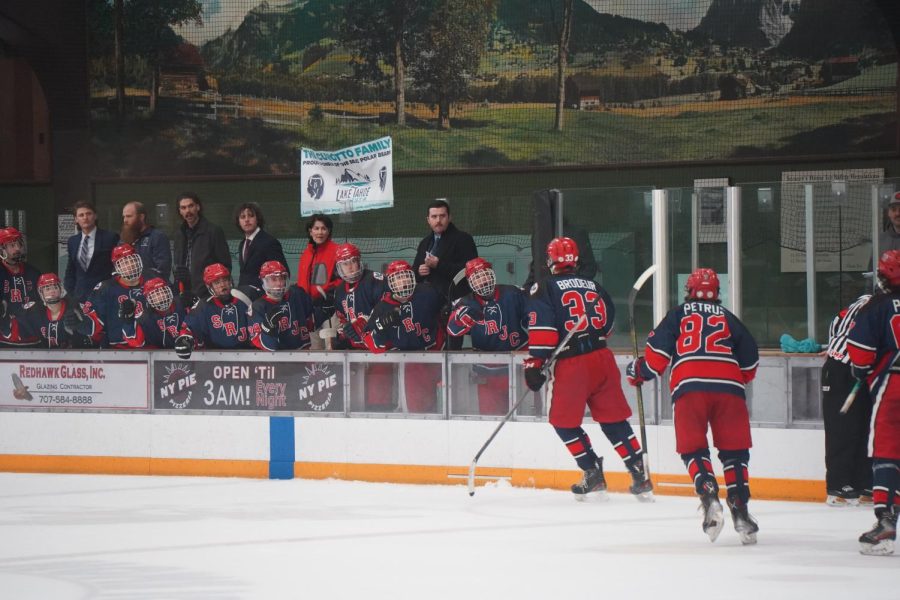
{"x": 68, "y": 537}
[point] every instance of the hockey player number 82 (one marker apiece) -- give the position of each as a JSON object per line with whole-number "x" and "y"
{"x": 578, "y": 304}
{"x": 691, "y": 335}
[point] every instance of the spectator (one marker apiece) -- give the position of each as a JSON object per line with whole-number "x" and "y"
{"x": 889, "y": 239}
{"x": 90, "y": 253}
{"x": 198, "y": 244}
{"x": 442, "y": 255}
{"x": 151, "y": 243}
{"x": 848, "y": 468}
{"x": 257, "y": 245}
{"x": 316, "y": 273}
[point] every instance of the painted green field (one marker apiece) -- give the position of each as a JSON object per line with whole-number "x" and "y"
{"x": 510, "y": 135}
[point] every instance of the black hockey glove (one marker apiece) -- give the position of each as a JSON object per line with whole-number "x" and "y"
{"x": 860, "y": 372}
{"x": 269, "y": 324}
{"x": 184, "y": 345}
{"x": 386, "y": 321}
{"x": 327, "y": 306}
{"x": 633, "y": 372}
{"x": 188, "y": 299}
{"x": 126, "y": 309}
{"x": 71, "y": 320}
{"x": 534, "y": 373}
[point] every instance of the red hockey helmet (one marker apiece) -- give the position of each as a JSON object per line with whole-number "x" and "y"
{"x": 50, "y": 288}
{"x": 702, "y": 284}
{"x": 481, "y": 277}
{"x": 401, "y": 279}
{"x": 127, "y": 262}
{"x": 158, "y": 294}
{"x": 218, "y": 281}
{"x": 348, "y": 262}
{"x": 274, "y": 276}
{"x": 12, "y": 245}
{"x": 889, "y": 271}
{"x": 562, "y": 254}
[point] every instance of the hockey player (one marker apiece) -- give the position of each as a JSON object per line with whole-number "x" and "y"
{"x": 282, "y": 319}
{"x": 360, "y": 290}
{"x": 713, "y": 357}
{"x": 874, "y": 357}
{"x": 43, "y": 324}
{"x": 161, "y": 321}
{"x": 407, "y": 319}
{"x": 18, "y": 279}
{"x": 116, "y": 301}
{"x": 220, "y": 321}
{"x": 496, "y": 319}
{"x": 585, "y": 372}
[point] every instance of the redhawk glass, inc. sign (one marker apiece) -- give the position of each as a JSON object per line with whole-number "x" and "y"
{"x": 224, "y": 385}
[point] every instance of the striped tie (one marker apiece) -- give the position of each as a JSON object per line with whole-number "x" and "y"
{"x": 83, "y": 256}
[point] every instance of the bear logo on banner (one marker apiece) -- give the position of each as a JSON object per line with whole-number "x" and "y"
{"x": 315, "y": 187}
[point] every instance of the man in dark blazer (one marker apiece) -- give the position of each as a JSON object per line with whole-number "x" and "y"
{"x": 198, "y": 244}
{"x": 257, "y": 246}
{"x": 90, "y": 253}
{"x": 442, "y": 255}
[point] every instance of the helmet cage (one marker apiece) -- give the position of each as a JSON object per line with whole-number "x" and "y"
{"x": 483, "y": 281}
{"x": 160, "y": 298}
{"x": 402, "y": 284}
{"x": 130, "y": 266}
{"x": 275, "y": 284}
{"x": 348, "y": 275}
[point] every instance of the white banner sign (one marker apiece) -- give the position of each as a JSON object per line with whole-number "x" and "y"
{"x": 73, "y": 384}
{"x": 356, "y": 178}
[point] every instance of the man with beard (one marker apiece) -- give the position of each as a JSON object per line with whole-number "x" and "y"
{"x": 152, "y": 244}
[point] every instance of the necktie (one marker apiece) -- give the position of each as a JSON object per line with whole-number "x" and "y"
{"x": 434, "y": 244}
{"x": 246, "y": 245}
{"x": 83, "y": 256}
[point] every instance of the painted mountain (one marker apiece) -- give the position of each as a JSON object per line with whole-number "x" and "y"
{"x": 749, "y": 23}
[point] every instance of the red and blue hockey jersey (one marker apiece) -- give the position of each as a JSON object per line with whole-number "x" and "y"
{"x": 501, "y": 322}
{"x": 219, "y": 325}
{"x": 557, "y": 305}
{"x": 18, "y": 289}
{"x": 294, "y": 324}
{"x": 35, "y": 327}
{"x": 356, "y": 301}
{"x": 419, "y": 327}
{"x": 103, "y": 324}
{"x": 874, "y": 339}
{"x": 709, "y": 348}
{"x": 155, "y": 330}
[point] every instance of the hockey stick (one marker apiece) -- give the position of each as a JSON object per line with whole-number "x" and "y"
{"x": 521, "y": 399}
{"x": 850, "y": 397}
{"x": 640, "y": 397}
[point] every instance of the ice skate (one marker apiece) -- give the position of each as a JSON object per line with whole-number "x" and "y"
{"x": 846, "y": 496}
{"x": 865, "y": 498}
{"x": 713, "y": 517}
{"x": 641, "y": 486}
{"x": 879, "y": 541}
{"x": 592, "y": 484}
{"x": 744, "y": 523}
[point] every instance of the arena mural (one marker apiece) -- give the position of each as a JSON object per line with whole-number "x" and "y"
{"x": 238, "y": 86}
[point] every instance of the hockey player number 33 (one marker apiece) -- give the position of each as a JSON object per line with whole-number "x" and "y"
{"x": 577, "y": 302}
{"x": 692, "y": 334}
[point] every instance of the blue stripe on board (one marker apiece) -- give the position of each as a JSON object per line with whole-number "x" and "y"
{"x": 281, "y": 447}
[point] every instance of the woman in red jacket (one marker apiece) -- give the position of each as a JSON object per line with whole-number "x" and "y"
{"x": 316, "y": 273}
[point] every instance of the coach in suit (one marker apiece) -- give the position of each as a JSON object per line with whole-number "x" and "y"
{"x": 257, "y": 246}
{"x": 90, "y": 253}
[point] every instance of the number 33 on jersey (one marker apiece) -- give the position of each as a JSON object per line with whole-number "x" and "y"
{"x": 556, "y": 307}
